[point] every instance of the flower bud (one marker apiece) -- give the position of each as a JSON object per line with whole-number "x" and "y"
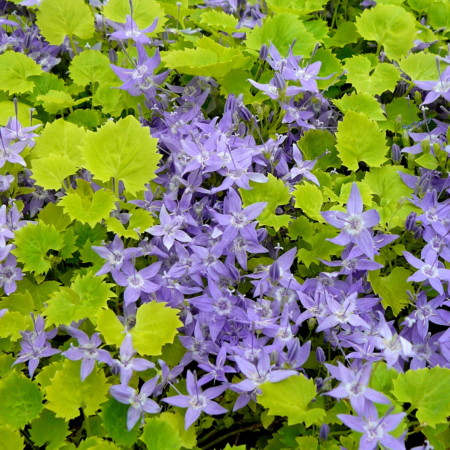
{"x": 396, "y": 153}
{"x": 263, "y": 52}
{"x": 324, "y": 431}
{"x": 278, "y": 81}
{"x": 320, "y": 355}
{"x": 112, "y": 56}
{"x": 410, "y": 223}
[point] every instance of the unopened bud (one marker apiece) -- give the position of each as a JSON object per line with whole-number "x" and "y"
{"x": 112, "y": 54}
{"x": 263, "y": 52}
{"x": 324, "y": 432}
{"x": 278, "y": 81}
{"x": 320, "y": 355}
{"x": 245, "y": 113}
{"x": 396, "y": 153}
{"x": 410, "y": 223}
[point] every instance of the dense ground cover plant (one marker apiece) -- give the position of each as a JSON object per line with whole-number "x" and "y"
{"x": 224, "y": 224}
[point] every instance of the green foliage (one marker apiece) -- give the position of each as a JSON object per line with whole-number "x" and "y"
{"x": 55, "y": 101}
{"x": 53, "y": 214}
{"x": 373, "y": 80}
{"x": 15, "y": 71}
{"x": 167, "y": 431}
{"x": 156, "y": 325}
{"x": 87, "y": 206}
{"x": 91, "y": 67}
{"x": 392, "y": 288}
{"x": 292, "y": 397}
{"x": 85, "y": 298}
{"x": 218, "y": 20}
{"x": 346, "y": 33}
{"x": 363, "y": 103}
{"x": 279, "y": 195}
{"x": 66, "y": 393}
{"x": 21, "y": 400}
{"x": 11, "y": 324}
{"x": 390, "y": 26}
{"x": 308, "y": 198}
{"x": 140, "y": 220}
{"x": 10, "y": 439}
{"x": 314, "y": 144}
{"x": 60, "y": 18}
{"x": 423, "y": 389}
{"x": 110, "y": 327}
{"x": 420, "y": 66}
{"x": 33, "y": 244}
{"x": 124, "y": 151}
{"x": 51, "y": 172}
{"x": 208, "y": 59}
{"x": 282, "y": 30}
{"x": 296, "y": 6}
{"x": 114, "y": 416}
{"x": 359, "y": 139}
{"x": 49, "y": 431}
{"x": 318, "y": 247}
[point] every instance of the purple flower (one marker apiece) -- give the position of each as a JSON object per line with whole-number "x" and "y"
{"x": 436, "y": 88}
{"x": 87, "y": 351}
{"x": 197, "y": 400}
{"x": 130, "y": 30}
{"x": 9, "y": 274}
{"x": 139, "y": 401}
{"x": 354, "y": 386}
{"x": 354, "y": 224}
{"x": 375, "y": 430}
{"x": 430, "y": 270}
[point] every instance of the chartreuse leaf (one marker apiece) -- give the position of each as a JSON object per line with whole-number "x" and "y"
{"x": 63, "y": 139}
{"x": 53, "y": 214}
{"x": 208, "y": 58}
{"x": 114, "y": 416}
{"x": 330, "y": 67}
{"x": 346, "y": 33}
{"x": 15, "y": 70}
{"x": 282, "y": 30}
{"x": 420, "y": 66}
{"x": 235, "y": 82}
{"x": 55, "y": 101}
{"x": 156, "y": 325}
{"x": 92, "y": 66}
{"x": 33, "y": 243}
{"x": 110, "y": 327}
{"x": 390, "y": 26}
{"x": 51, "y": 172}
{"x": 49, "y": 431}
{"x": 60, "y": 18}
{"x": 390, "y": 194}
{"x": 214, "y": 20}
{"x": 87, "y": 118}
{"x": 401, "y": 111}
{"x": 369, "y": 79}
{"x": 275, "y": 193}
{"x": 21, "y": 400}
{"x": 295, "y": 6}
{"x": 144, "y": 12}
{"x": 86, "y": 297}
{"x": 291, "y": 397}
{"x": 21, "y": 302}
{"x": 309, "y": 199}
{"x": 11, "y": 324}
{"x": 382, "y": 377}
{"x": 87, "y": 206}
{"x": 167, "y": 431}
{"x": 95, "y": 443}
{"x": 140, "y": 220}
{"x": 10, "y": 439}
{"x": 392, "y": 289}
{"x": 439, "y": 436}
{"x": 363, "y": 103}
{"x": 425, "y": 390}
{"x": 122, "y": 150}
{"x": 360, "y": 139}
{"x": 67, "y": 393}
{"x": 7, "y": 110}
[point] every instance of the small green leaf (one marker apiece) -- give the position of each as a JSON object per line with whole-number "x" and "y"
{"x": 292, "y": 397}
{"x": 428, "y": 161}
{"x": 320, "y": 247}
{"x": 420, "y": 66}
{"x": 10, "y": 439}
{"x": 314, "y": 144}
{"x": 122, "y": 150}
{"x": 87, "y": 206}
{"x": 390, "y": 26}
{"x": 110, "y": 327}
{"x": 278, "y": 196}
{"x": 159, "y": 435}
{"x": 282, "y": 30}
{"x": 15, "y": 71}
{"x": 346, "y": 33}
{"x": 363, "y": 103}
{"x": 392, "y": 288}
{"x": 51, "y": 172}
{"x": 424, "y": 389}
{"x": 87, "y": 118}
{"x": 308, "y": 198}
{"x": 91, "y": 67}
{"x": 86, "y": 297}
{"x": 330, "y": 67}
{"x": 299, "y": 7}
{"x": 53, "y": 214}
{"x": 33, "y": 243}
{"x": 219, "y": 20}
{"x": 371, "y": 80}
{"x": 114, "y": 416}
{"x": 360, "y": 139}
{"x": 156, "y": 325}
{"x": 49, "y": 431}
{"x": 55, "y": 101}
{"x": 11, "y": 324}
{"x": 21, "y": 400}
{"x": 60, "y": 18}
{"x": 67, "y": 393}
